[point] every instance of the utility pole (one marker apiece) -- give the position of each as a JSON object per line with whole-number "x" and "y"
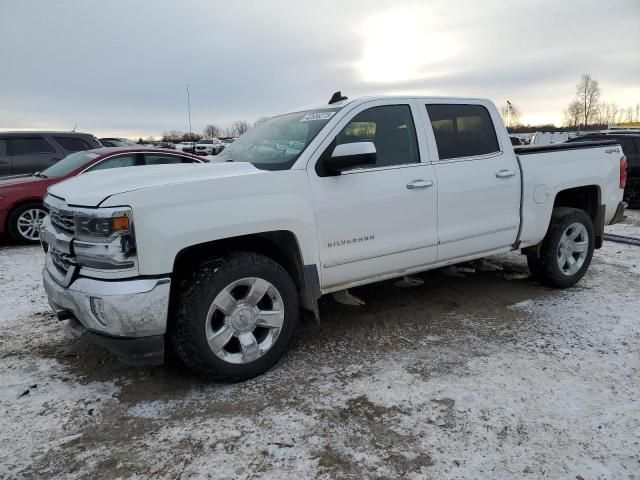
{"x": 189, "y": 111}
{"x": 509, "y": 107}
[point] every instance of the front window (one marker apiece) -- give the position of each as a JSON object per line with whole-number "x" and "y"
{"x": 69, "y": 163}
{"x": 277, "y": 143}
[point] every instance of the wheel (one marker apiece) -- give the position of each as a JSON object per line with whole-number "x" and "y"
{"x": 234, "y": 316}
{"x": 566, "y": 250}
{"x": 24, "y": 222}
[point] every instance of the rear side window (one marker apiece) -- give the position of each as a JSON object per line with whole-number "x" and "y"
{"x": 159, "y": 159}
{"x": 115, "y": 162}
{"x": 72, "y": 144}
{"x": 390, "y": 128}
{"x": 29, "y": 146}
{"x": 462, "y": 130}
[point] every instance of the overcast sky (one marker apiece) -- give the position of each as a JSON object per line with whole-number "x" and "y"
{"x": 120, "y": 67}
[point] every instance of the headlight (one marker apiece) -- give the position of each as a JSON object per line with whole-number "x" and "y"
{"x": 102, "y": 227}
{"x": 105, "y": 238}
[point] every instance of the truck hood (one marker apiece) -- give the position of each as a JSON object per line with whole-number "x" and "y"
{"x": 91, "y": 189}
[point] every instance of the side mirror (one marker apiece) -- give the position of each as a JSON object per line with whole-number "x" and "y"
{"x": 350, "y": 155}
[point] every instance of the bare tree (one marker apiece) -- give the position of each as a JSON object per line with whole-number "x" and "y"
{"x": 608, "y": 114}
{"x": 628, "y": 114}
{"x": 211, "y": 131}
{"x": 172, "y": 136}
{"x": 588, "y": 94}
{"x": 238, "y": 127}
{"x": 510, "y": 114}
{"x": 190, "y": 137}
{"x": 573, "y": 114}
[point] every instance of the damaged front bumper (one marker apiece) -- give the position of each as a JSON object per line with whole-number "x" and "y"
{"x": 128, "y": 317}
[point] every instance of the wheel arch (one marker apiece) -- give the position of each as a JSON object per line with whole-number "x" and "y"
{"x": 12, "y": 208}
{"x": 583, "y": 197}
{"x": 282, "y": 246}
{"x": 587, "y": 198}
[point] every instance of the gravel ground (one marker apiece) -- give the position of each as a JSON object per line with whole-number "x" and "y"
{"x": 488, "y": 375}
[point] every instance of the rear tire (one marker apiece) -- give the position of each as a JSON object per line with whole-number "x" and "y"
{"x": 234, "y": 316}
{"x": 566, "y": 250}
{"x": 24, "y": 222}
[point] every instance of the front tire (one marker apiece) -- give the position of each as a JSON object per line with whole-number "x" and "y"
{"x": 234, "y": 316}
{"x": 566, "y": 249}
{"x": 24, "y": 222}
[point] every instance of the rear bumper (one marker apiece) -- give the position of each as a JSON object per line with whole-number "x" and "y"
{"x": 132, "y": 351}
{"x": 619, "y": 215}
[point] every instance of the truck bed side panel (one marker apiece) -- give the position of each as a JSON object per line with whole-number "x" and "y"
{"x": 548, "y": 171}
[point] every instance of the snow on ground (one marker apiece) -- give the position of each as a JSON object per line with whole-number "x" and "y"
{"x": 486, "y": 376}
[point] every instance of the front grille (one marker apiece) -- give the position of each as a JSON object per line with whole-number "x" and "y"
{"x": 61, "y": 260}
{"x": 61, "y": 220}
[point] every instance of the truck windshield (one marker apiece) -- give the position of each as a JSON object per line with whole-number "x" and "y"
{"x": 276, "y": 143}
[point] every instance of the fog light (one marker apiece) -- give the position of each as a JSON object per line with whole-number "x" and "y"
{"x": 97, "y": 308}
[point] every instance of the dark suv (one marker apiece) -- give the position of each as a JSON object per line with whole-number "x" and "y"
{"x": 630, "y": 143}
{"x": 30, "y": 152}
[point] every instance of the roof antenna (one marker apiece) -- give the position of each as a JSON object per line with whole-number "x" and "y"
{"x": 337, "y": 97}
{"x": 74, "y": 127}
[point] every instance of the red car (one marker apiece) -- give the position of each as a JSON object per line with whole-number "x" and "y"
{"x": 21, "y": 210}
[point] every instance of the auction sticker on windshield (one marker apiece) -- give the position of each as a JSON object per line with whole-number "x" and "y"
{"x": 310, "y": 117}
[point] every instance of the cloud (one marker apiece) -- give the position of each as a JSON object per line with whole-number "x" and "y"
{"x": 122, "y": 67}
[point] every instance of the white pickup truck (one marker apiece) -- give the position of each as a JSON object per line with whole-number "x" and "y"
{"x": 217, "y": 260}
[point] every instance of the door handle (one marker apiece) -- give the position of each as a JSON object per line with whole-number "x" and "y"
{"x": 505, "y": 173}
{"x": 54, "y": 159}
{"x": 419, "y": 184}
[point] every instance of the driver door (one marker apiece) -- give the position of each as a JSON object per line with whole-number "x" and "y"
{"x": 378, "y": 220}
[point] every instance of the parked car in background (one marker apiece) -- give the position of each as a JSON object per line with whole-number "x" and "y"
{"x": 186, "y": 147}
{"x": 21, "y": 210}
{"x": 312, "y": 202}
{"x": 117, "y": 142}
{"x": 515, "y": 141}
{"x": 226, "y": 142}
{"x": 30, "y": 152}
{"x": 208, "y": 146}
{"x": 167, "y": 145}
{"x": 540, "y": 139}
{"x": 630, "y": 143}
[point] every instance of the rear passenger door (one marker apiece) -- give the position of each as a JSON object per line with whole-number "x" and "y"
{"x": 478, "y": 181}
{"x": 31, "y": 154}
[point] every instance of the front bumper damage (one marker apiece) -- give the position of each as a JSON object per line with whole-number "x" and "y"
{"x": 128, "y": 317}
